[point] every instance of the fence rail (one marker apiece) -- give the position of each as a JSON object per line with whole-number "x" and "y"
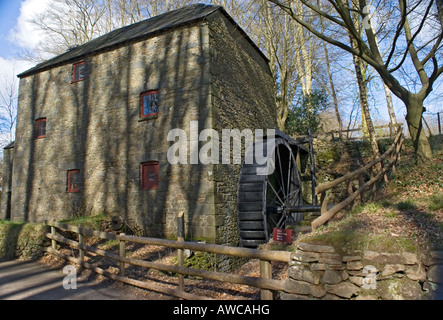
{"x": 264, "y": 282}
{"x": 333, "y": 133}
{"x": 387, "y": 160}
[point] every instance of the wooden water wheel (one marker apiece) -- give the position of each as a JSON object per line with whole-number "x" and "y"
{"x": 271, "y": 200}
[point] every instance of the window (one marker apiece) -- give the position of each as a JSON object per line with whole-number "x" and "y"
{"x": 74, "y": 180}
{"x": 40, "y": 128}
{"x": 149, "y": 175}
{"x": 78, "y": 71}
{"x": 149, "y": 104}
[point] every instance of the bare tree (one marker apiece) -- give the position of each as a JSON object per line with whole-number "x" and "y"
{"x": 404, "y": 38}
{"x": 8, "y": 103}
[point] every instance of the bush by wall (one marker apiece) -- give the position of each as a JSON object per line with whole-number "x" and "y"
{"x": 22, "y": 240}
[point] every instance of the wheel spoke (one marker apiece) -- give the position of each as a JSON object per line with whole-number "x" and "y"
{"x": 289, "y": 174}
{"x": 275, "y": 192}
{"x": 281, "y": 172}
{"x": 281, "y": 222}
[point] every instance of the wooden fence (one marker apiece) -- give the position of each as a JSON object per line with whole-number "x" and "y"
{"x": 264, "y": 282}
{"x": 392, "y": 129}
{"x": 385, "y": 163}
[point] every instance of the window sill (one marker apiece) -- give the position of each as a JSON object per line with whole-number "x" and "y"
{"x": 155, "y": 116}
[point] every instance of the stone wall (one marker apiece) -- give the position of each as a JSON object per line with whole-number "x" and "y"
{"x": 22, "y": 241}
{"x": 320, "y": 272}
{"x": 242, "y": 98}
{"x": 205, "y": 72}
{"x": 6, "y": 193}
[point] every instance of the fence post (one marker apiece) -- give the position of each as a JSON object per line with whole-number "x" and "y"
{"x": 323, "y": 203}
{"x": 122, "y": 255}
{"x": 53, "y": 242}
{"x": 81, "y": 252}
{"x": 350, "y": 192}
{"x": 361, "y": 182}
{"x": 180, "y": 258}
{"x": 265, "y": 273}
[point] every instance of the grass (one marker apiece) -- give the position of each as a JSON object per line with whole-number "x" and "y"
{"x": 407, "y": 215}
{"x": 92, "y": 222}
{"x": 406, "y": 205}
{"x": 436, "y": 202}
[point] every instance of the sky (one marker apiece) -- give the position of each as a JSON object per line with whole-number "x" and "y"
{"x": 16, "y": 33}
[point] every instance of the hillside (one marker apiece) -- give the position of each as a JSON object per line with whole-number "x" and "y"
{"x": 406, "y": 213}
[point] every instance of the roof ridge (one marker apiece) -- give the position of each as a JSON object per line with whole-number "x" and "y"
{"x": 173, "y": 19}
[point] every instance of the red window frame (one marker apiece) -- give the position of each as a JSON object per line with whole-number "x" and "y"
{"x": 74, "y": 186}
{"x": 76, "y": 75}
{"x": 154, "y": 112}
{"x": 149, "y": 175}
{"x": 40, "y": 128}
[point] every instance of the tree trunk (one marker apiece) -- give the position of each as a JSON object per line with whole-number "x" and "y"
{"x": 390, "y": 105}
{"x": 415, "y": 125}
{"x": 366, "y": 117}
{"x": 363, "y": 90}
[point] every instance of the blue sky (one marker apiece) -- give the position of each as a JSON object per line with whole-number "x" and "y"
{"x": 9, "y": 12}
{"x": 16, "y": 34}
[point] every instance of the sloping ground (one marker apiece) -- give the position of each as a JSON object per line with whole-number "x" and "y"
{"x": 406, "y": 213}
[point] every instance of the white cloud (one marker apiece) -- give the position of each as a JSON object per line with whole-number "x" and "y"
{"x": 24, "y": 33}
{"x": 9, "y": 67}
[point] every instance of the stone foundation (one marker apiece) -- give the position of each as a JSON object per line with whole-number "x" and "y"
{"x": 320, "y": 272}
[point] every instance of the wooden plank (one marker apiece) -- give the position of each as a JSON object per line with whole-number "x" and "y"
{"x": 141, "y": 284}
{"x": 265, "y": 273}
{"x": 328, "y": 185}
{"x": 83, "y": 231}
{"x": 270, "y": 255}
{"x": 270, "y": 284}
{"x": 331, "y": 212}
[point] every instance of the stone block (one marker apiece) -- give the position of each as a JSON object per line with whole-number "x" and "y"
{"x": 435, "y": 274}
{"x": 296, "y": 286}
{"x": 409, "y": 258}
{"x": 358, "y": 281}
{"x": 303, "y": 274}
{"x": 390, "y": 269}
{"x": 331, "y": 277}
{"x": 354, "y": 265}
{"x": 351, "y": 258}
{"x": 315, "y": 248}
{"x": 317, "y": 291}
{"x": 343, "y": 290}
{"x": 416, "y": 272}
{"x": 305, "y": 256}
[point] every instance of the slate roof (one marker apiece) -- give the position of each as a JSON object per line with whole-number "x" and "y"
{"x": 166, "y": 21}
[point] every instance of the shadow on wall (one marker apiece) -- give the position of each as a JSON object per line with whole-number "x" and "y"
{"x": 102, "y": 135}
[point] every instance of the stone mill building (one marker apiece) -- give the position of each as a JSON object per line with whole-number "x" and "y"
{"x": 93, "y": 124}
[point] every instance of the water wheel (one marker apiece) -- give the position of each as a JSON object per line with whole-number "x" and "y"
{"x": 269, "y": 201}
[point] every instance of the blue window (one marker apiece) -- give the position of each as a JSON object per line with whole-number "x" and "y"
{"x": 149, "y": 103}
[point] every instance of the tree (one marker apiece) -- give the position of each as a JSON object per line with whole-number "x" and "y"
{"x": 362, "y": 79}
{"x": 404, "y": 38}
{"x": 8, "y": 104}
{"x": 305, "y": 115}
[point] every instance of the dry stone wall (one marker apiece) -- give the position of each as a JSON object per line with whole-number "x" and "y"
{"x": 320, "y": 272}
